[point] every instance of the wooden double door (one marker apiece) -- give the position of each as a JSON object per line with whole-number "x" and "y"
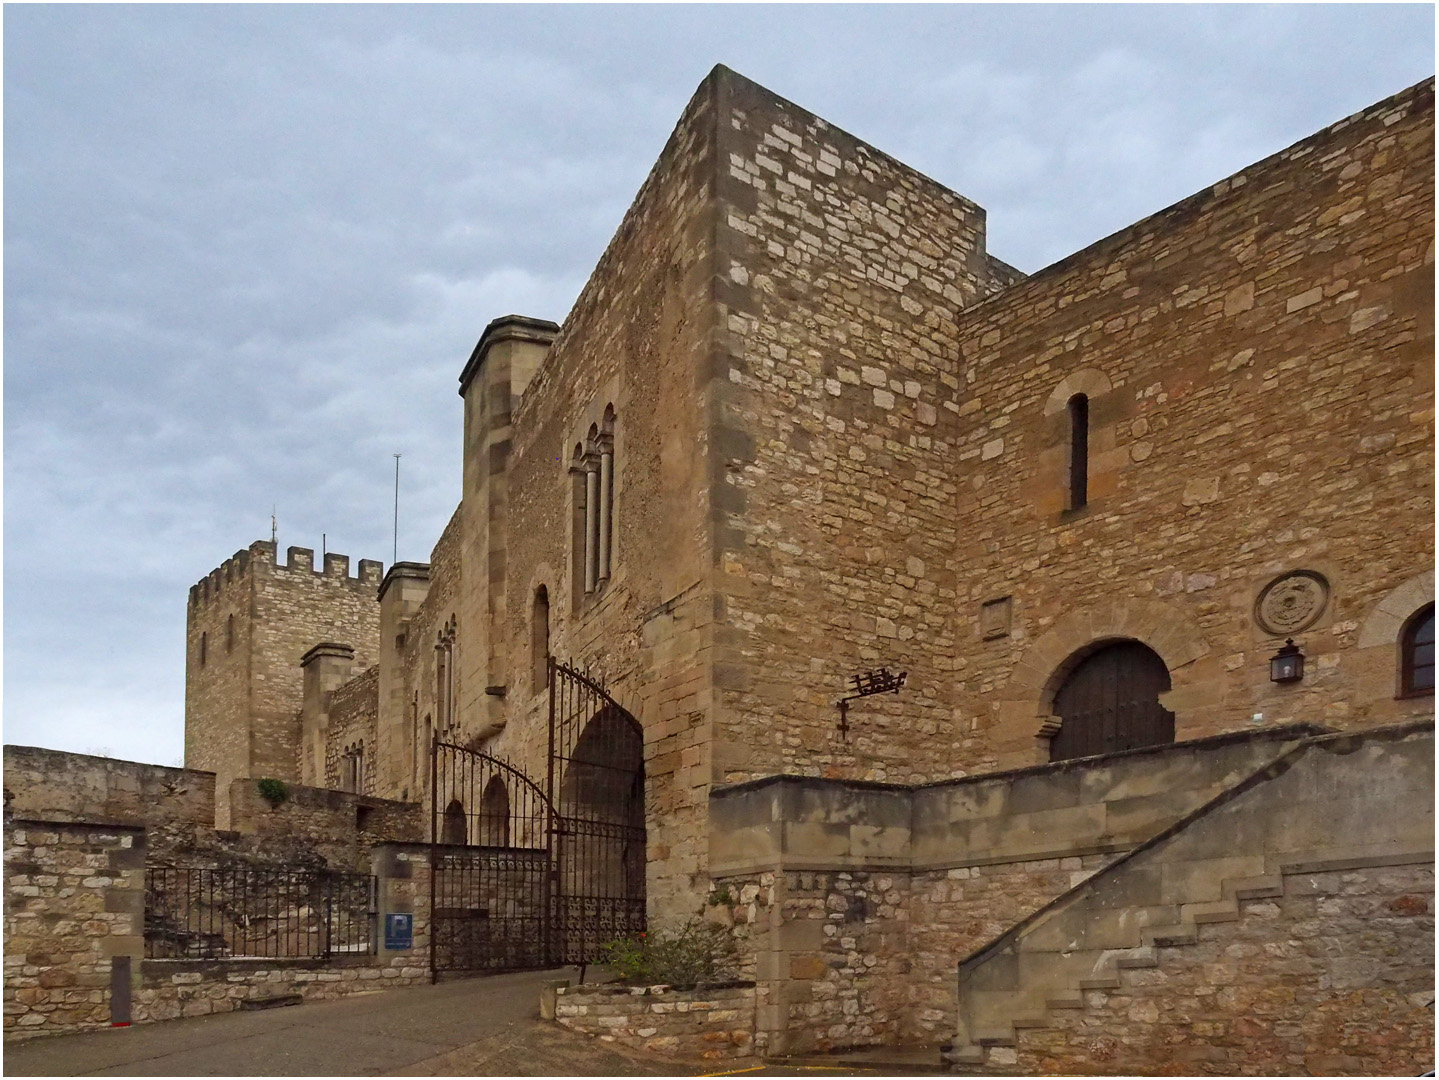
{"x": 1110, "y": 702}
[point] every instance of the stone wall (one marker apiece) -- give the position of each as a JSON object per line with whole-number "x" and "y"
{"x": 170, "y": 989}
{"x": 1332, "y": 977}
{"x": 56, "y": 785}
{"x": 841, "y": 276}
{"x": 1258, "y": 361}
{"x": 337, "y": 828}
{"x": 710, "y": 1022}
{"x": 74, "y": 900}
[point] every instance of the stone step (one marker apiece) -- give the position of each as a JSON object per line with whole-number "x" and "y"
{"x": 1183, "y": 934}
{"x": 1211, "y": 911}
{"x": 1254, "y": 888}
{"x": 1066, "y": 999}
{"x": 1100, "y": 982}
{"x": 1142, "y": 957}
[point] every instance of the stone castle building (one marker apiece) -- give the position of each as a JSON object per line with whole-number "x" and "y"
{"x": 799, "y": 425}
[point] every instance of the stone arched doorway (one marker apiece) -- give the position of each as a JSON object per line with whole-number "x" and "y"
{"x": 1108, "y": 701}
{"x": 602, "y": 804}
{"x": 598, "y": 778}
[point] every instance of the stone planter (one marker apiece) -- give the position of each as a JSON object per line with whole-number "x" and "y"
{"x": 711, "y": 1022}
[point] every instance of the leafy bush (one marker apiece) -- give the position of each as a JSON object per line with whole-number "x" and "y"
{"x": 696, "y": 951}
{"x": 273, "y": 791}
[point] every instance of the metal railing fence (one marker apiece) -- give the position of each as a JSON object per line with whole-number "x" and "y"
{"x": 247, "y": 911}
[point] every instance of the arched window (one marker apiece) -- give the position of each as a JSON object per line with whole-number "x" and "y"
{"x": 1416, "y": 654}
{"x": 1078, "y": 451}
{"x": 453, "y": 830}
{"x": 540, "y": 639}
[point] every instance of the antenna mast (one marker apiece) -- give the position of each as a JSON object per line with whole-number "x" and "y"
{"x": 395, "y": 552}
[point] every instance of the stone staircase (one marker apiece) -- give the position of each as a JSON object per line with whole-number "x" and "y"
{"x": 1199, "y": 872}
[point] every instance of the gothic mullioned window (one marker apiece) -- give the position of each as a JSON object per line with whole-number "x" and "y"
{"x": 593, "y": 481}
{"x": 1416, "y": 654}
{"x": 445, "y": 718}
{"x": 352, "y": 769}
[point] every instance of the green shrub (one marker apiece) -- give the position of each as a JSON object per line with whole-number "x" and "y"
{"x": 696, "y": 951}
{"x": 273, "y": 791}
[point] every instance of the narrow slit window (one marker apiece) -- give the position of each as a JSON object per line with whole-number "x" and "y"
{"x": 540, "y": 640}
{"x": 1078, "y": 451}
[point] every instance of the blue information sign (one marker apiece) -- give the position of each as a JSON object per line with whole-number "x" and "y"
{"x": 399, "y": 930}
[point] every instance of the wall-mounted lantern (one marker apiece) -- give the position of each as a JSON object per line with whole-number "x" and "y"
{"x": 1287, "y": 665}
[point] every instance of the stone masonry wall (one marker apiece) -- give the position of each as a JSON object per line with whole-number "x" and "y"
{"x": 842, "y": 275}
{"x": 171, "y": 989}
{"x": 638, "y": 338}
{"x": 954, "y": 912}
{"x": 74, "y": 899}
{"x": 414, "y": 725}
{"x": 711, "y": 1023}
{"x": 1333, "y": 978}
{"x": 1259, "y": 366}
{"x": 61, "y": 786}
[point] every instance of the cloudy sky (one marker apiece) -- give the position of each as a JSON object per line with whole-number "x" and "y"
{"x": 248, "y": 249}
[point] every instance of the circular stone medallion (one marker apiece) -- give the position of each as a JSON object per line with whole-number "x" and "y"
{"x": 1292, "y": 603}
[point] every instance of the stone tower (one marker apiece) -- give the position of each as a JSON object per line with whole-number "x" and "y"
{"x": 248, "y": 624}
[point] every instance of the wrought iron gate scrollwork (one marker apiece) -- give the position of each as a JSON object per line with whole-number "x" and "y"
{"x": 530, "y": 877}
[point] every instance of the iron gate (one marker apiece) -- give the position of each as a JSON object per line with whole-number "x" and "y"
{"x": 530, "y": 877}
{"x": 490, "y": 869}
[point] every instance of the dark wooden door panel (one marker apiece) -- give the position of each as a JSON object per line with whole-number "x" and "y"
{"x": 1110, "y": 702}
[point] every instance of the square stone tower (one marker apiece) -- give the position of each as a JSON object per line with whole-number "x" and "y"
{"x": 248, "y": 624}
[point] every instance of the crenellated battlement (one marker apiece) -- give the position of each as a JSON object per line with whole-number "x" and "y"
{"x": 261, "y": 557}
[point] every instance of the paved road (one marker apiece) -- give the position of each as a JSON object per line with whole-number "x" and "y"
{"x": 474, "y": 1027}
